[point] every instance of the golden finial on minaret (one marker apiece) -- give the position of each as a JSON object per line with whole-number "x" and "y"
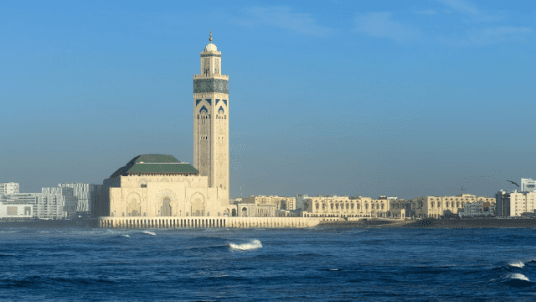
{"x": 210, "y": 36}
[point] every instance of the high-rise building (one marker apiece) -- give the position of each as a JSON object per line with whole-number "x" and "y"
{"x": 515, "y": 203}
{"x": 211, "y": 119}
{"x": 528, "y": 185}
{"x": 85, "y": 195}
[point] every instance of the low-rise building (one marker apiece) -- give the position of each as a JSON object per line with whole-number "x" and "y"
{"x": 440, "y": 206}
{"x": 282, "y": 203}
{"x": 478, "y": 209}
{"x": 9, "y": 188}
{"x": 344, "y": 206}
{"x": 16, "y": 211}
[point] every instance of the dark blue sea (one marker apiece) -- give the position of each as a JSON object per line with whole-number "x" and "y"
{"x": 321, "y": 264}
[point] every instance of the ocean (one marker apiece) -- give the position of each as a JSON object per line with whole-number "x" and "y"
{"x": 317, "y": 264}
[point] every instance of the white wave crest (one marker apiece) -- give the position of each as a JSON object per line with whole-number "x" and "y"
{"x": 517, "y": 264}
{"x": 253, "y": 245}
{"x": 126, "y": 235}
{"x": 149, "y": 233}
{"x": 518, "y": 276}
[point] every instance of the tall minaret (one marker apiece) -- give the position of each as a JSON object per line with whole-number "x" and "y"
{"x": 211, "y": 120}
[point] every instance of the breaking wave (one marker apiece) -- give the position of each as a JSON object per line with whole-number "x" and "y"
{"x": 252, "y": 245}
{"x": 149, "y": 233}
{"x": 518, "y": 280}
{"x": 519, "y": 264}
{"x": 518, "y": 276}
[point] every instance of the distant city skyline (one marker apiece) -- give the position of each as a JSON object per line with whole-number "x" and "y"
{"x": 340, "y": 98}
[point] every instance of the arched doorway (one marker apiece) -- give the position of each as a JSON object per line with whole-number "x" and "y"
{"x": 244, "y": 212}
{"x": 165, "y": 209}
{"x": 198, "y": 205}
{"x": 134, "y": 205}
{"x": 233, "y": 213}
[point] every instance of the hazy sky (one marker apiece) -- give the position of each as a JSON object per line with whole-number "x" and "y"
{"x": 398, "y": 98}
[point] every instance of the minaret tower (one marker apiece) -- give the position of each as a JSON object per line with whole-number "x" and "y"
{"x": 211, "y": 120}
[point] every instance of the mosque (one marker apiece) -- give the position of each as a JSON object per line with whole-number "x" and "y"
{"x": 153, "y": 186}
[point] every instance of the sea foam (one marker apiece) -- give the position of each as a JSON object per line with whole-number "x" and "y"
{"x": 252, "y": 245}
{"x": 149, "y": 233}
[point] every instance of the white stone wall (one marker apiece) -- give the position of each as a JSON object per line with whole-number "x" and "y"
{"x": 155, "y": 195}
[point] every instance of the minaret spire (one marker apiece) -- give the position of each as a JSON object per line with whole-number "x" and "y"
{"x": 210, "y": 36}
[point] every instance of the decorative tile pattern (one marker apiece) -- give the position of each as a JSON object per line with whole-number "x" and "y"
{"x": 197, "y": 102}
{"x": 211, "y": 85}
{"x": 203, "y": 109}
{"x": 225, "y": 101}
{"x": 210, "y": 55}
{"x": 209, "y": 101}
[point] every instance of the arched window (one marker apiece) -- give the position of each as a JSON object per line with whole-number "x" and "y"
{"x": 432, "y": 204}
{"x": 317, "y": 206}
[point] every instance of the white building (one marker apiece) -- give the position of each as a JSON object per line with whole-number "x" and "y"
{"x": 282, "y": 203}
{"x": 528, "y": 185}
{"x": 9, "y": 188}
{"x": 51, "y": 203}
{"x": 84, "y": 194}
{"x": 20, "y": 199}
{"x": 56, "y": 203}
{"x": 478, "y": 208}
{"x": 515, "y": 204}
{"x": 16, "y": 211}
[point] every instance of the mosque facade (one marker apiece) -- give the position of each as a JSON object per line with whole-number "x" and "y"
{"x": 153, "y": 186}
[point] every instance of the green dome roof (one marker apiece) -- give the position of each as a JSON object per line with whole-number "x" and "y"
{"x": 155, "y": 164}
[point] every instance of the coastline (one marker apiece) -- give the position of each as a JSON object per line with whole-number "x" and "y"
{"x": 435, "y": 223}
{"x": 371, "y": 223}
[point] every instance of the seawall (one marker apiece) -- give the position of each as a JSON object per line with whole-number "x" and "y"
{"x": 207, "y": 222}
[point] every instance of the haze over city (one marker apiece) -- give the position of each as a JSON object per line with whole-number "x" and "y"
{"x": 342, "y": 98}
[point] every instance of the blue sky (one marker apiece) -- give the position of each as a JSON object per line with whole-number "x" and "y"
{"x": 398, "y": 98}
